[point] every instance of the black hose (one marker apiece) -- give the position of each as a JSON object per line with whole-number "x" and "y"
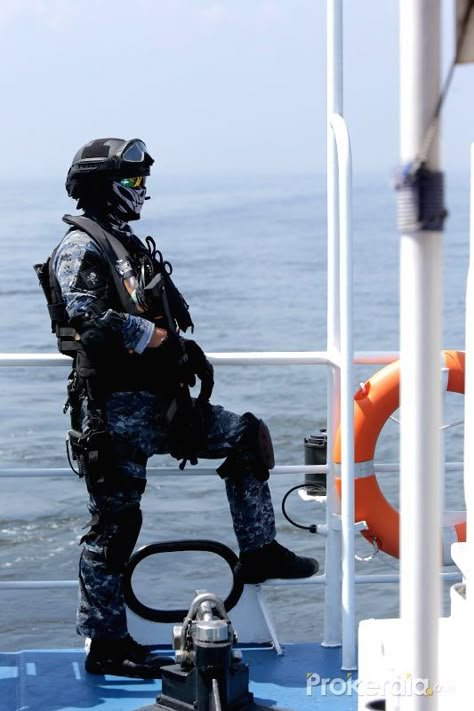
{"x": 312, "y": 528}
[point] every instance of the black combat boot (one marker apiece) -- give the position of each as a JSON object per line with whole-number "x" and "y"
{"x": 273, "y": 561}
{"x": 124, "y": 657}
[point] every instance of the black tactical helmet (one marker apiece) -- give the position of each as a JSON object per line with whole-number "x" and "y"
{"x": 107, "y": 158}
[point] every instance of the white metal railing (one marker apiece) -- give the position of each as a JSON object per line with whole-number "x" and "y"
{"x": 372, "y": 579}
{"x": 331, "y": 529}
{"x": 247, "y": 358}
{"x": 38, "y": 472}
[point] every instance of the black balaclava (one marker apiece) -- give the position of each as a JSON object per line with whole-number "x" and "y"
{"x": 125, "y": 203}
{"x": 113, "y": 205}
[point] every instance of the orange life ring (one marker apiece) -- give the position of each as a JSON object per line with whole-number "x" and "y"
{"x": 374, "y": 402}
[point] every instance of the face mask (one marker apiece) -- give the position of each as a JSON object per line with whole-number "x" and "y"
{"x": 126, "y": 203}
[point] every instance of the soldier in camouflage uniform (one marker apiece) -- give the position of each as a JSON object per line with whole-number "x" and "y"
{"x": 126, "y": 344}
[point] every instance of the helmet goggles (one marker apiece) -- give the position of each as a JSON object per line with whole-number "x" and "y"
{"x": 134, "y": 152}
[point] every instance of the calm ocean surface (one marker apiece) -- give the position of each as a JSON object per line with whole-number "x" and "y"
{"x": 249, "y": 254}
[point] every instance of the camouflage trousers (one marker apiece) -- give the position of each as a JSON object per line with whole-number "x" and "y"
{"x": 136, "y": 417}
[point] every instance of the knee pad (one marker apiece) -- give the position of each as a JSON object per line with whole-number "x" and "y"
{"x": 118, "y": 532}
{"x": 259, "y": 441}
{"x": 253, "y": 453}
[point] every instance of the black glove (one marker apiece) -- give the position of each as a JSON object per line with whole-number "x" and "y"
{"x": 194, "y": 362}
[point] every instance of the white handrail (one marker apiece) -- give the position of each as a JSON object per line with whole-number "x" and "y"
{"x": 36, "y": 472}
{"x": 373, "y": 579}
{"x": 236, "y": 358}
{"x": 344, "y": 157}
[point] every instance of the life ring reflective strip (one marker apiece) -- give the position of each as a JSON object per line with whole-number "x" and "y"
{"x": 374, "y": 402}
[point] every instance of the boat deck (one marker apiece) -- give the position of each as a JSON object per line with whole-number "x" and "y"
{"x": 54, "y": 680}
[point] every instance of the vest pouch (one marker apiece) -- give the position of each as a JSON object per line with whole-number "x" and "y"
{"x": 42, "y": 272}
{"x": 56, "y": 309}
{"x": 75, "y": 451}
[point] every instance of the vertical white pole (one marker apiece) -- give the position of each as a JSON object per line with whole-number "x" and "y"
{"x": 347, "y": 403}
{"x": 332, "y": 597}
{"x": 469, "y": 373}
{"x": 420, "y": 344}
{"x": 468, "y": 569}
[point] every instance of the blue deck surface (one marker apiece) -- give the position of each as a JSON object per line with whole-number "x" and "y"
{"x": 54, "y": 680}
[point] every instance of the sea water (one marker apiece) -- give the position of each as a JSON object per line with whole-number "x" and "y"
{"x": 249, "y": 255}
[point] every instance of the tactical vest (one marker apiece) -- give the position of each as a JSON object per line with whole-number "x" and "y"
{"x": 150, "y": 294}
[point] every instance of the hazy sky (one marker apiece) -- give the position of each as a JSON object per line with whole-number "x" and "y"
{"x": 226, "y": 86}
